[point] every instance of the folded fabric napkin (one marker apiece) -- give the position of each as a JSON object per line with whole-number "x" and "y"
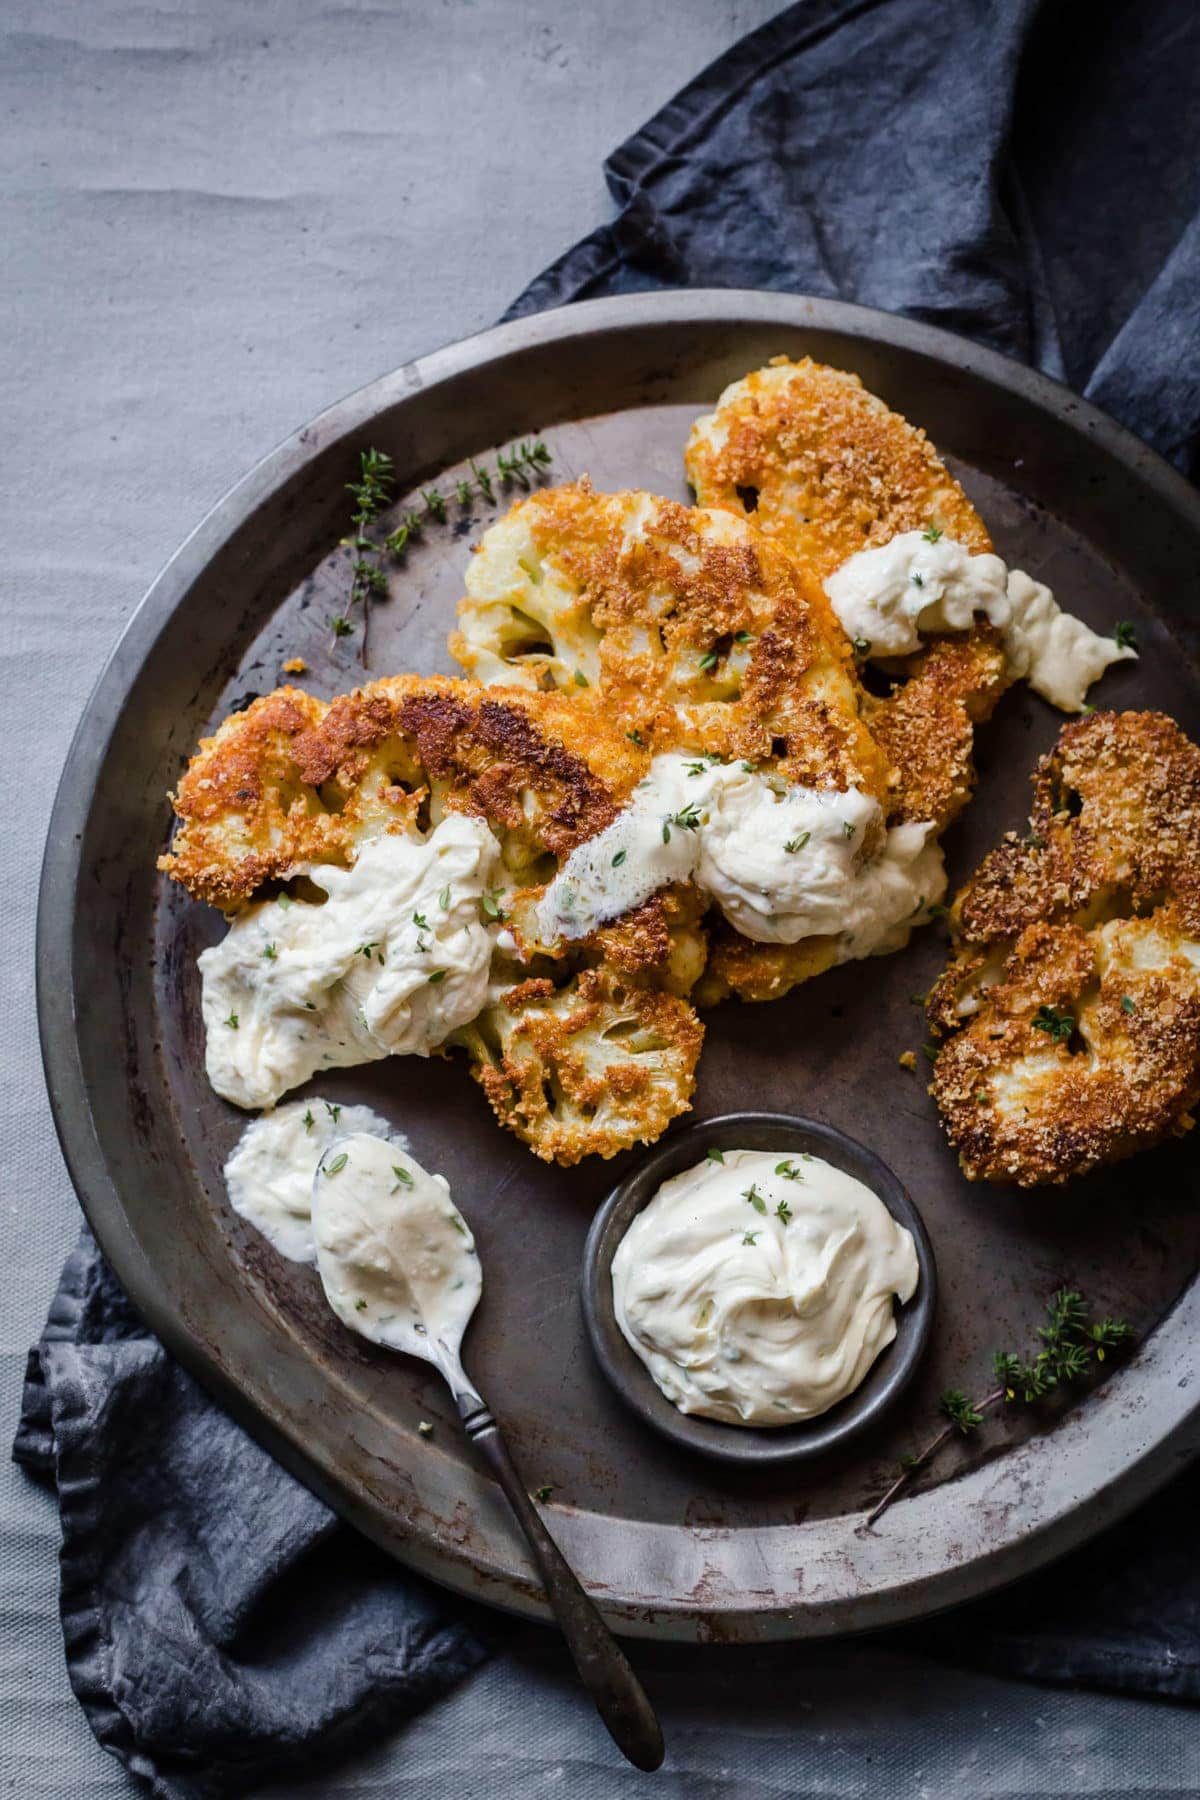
{"x": 1023, "y": 173}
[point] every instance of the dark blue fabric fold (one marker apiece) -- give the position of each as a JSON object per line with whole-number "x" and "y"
{"x": 1023, "y": 172}
{"x": 221, "y": 1624}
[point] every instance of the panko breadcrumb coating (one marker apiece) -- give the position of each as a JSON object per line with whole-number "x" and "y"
{"x": 1070, "y": 1011}
{"x": 695, "y": 632}
{"x": 824, "y": 466}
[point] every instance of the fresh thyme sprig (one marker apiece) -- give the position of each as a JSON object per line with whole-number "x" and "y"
{"x": 1072, "y": 1343}
{"x": 520, "y": 464}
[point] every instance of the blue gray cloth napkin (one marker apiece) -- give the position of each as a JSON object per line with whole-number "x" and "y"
{"x": 1025, "y": 173}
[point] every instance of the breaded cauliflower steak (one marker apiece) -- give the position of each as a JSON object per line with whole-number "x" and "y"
{"x": 823, "y": 465}
{"x": 695, "y": 632}
{"x": 605, "y": 1058}
{"x": 294, "y": 779}
{"x": 826, "y": 469}
{"x": 1071, "y": 1006}
{"x": 586, "y": 1069}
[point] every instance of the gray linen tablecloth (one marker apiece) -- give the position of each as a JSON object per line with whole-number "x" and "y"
{"x": 216, "y": 217}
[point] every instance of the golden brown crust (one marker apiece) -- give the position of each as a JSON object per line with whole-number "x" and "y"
{"x": 755, "y": 972}
{"x": 826, "y": 470}
{"x": 587, "y": 1069}
{"x": 824, "y": 465}
{"x": 1071, "y": 1005}
{"x": 294, "y": 780}
{"x": 697, "y": 633}
{"x": 926, "y": 727}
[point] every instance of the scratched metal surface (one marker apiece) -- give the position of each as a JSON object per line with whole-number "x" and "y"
{"x": 672, "y": 1545}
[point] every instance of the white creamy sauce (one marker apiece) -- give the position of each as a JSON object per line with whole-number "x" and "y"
{"x": 782, "y": 862}
{"x": 1055, "y": 652}
{"x": 759, "y": 1290}
{"x": 394, "y": 960}
{"x": 891, "y": 596}
{"x": 269, "y": 1174}
{"x": 395, "y": 1255}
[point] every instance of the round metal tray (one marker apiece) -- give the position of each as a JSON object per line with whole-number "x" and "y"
{"x": 671, "y": 1545}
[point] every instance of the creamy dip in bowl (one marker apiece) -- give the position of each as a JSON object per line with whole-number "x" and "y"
{"x": 813, "y": 1316}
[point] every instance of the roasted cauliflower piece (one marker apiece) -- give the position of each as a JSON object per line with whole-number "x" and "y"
{"x": 826, "y": 470}
{"x": 1070, "y": 1011}
{"x": 294, "y": 779}
{"x": 823, "y": 465}
{"x": 684, "y": 624}
{"x": 586, "y": 1069}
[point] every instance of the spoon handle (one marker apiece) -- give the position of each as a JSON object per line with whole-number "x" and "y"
{"x": 603, "y": 1666}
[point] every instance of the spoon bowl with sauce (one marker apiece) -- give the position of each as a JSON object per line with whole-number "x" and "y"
{"x": 760, "y": 1289}
{"x": 398, "y": 1264}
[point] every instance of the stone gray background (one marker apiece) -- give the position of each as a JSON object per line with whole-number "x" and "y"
{"x": 217, "y": 216}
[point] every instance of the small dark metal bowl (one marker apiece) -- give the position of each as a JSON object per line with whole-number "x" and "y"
{"x": 754, "y": 1446}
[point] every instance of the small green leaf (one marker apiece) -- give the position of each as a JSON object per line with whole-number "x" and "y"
{"x": 232, "y": 1021}
{"x": 932, "y": 533}
{"x": 797, "y": 843}
{"x": 337, "y": 1165}
{"x": 1127, "y": 1004}
{"x": 438, "y": 975}
{"x": 403, "y": 1178}
{"x": 544, "y": 1492}
{"x": 444, "y": 898}
{"x": 755, "y": 1199}
{"x": 619, "y": 858}
{"x": 309, "y": 1121}
{"x": 581, "y": 679}
{"x": 708, "y": 661}
{"x": 1124, "y": 635}
{"x": 335, "y": 1112}
{"x": 717, "y": 1156}
{"x": 360, "y": 1306}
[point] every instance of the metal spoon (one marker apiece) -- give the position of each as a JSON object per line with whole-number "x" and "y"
{"x": 350, "y": 1235}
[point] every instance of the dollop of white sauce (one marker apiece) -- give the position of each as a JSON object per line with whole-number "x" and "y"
{"x": 269, "y": 1174}
{"x": 1055, "y": 652}
{"x": 394, "y": 960}
{"x": 890, "y": 596}
{"x": 759, "y": 1290}
{"x": 396, "y": 1257}
{"x": 783, "y": 862}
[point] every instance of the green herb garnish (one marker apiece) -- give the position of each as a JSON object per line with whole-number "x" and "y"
{"x": 1056, "y": 1025}
{"x": 1124, "y": 635}
{"x": 932, "y": 533}
{"x": 797, "y": 843}
{"x": 619, "y": 858}
{"x": 755, "y": 1199}
{"x": 717, "y": 1156}
{"x": 337, "y": 1165}
{"x": 438, "y": 975}
{"x": 708, "y": 661}
{"x": 1071, "y": 1345}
